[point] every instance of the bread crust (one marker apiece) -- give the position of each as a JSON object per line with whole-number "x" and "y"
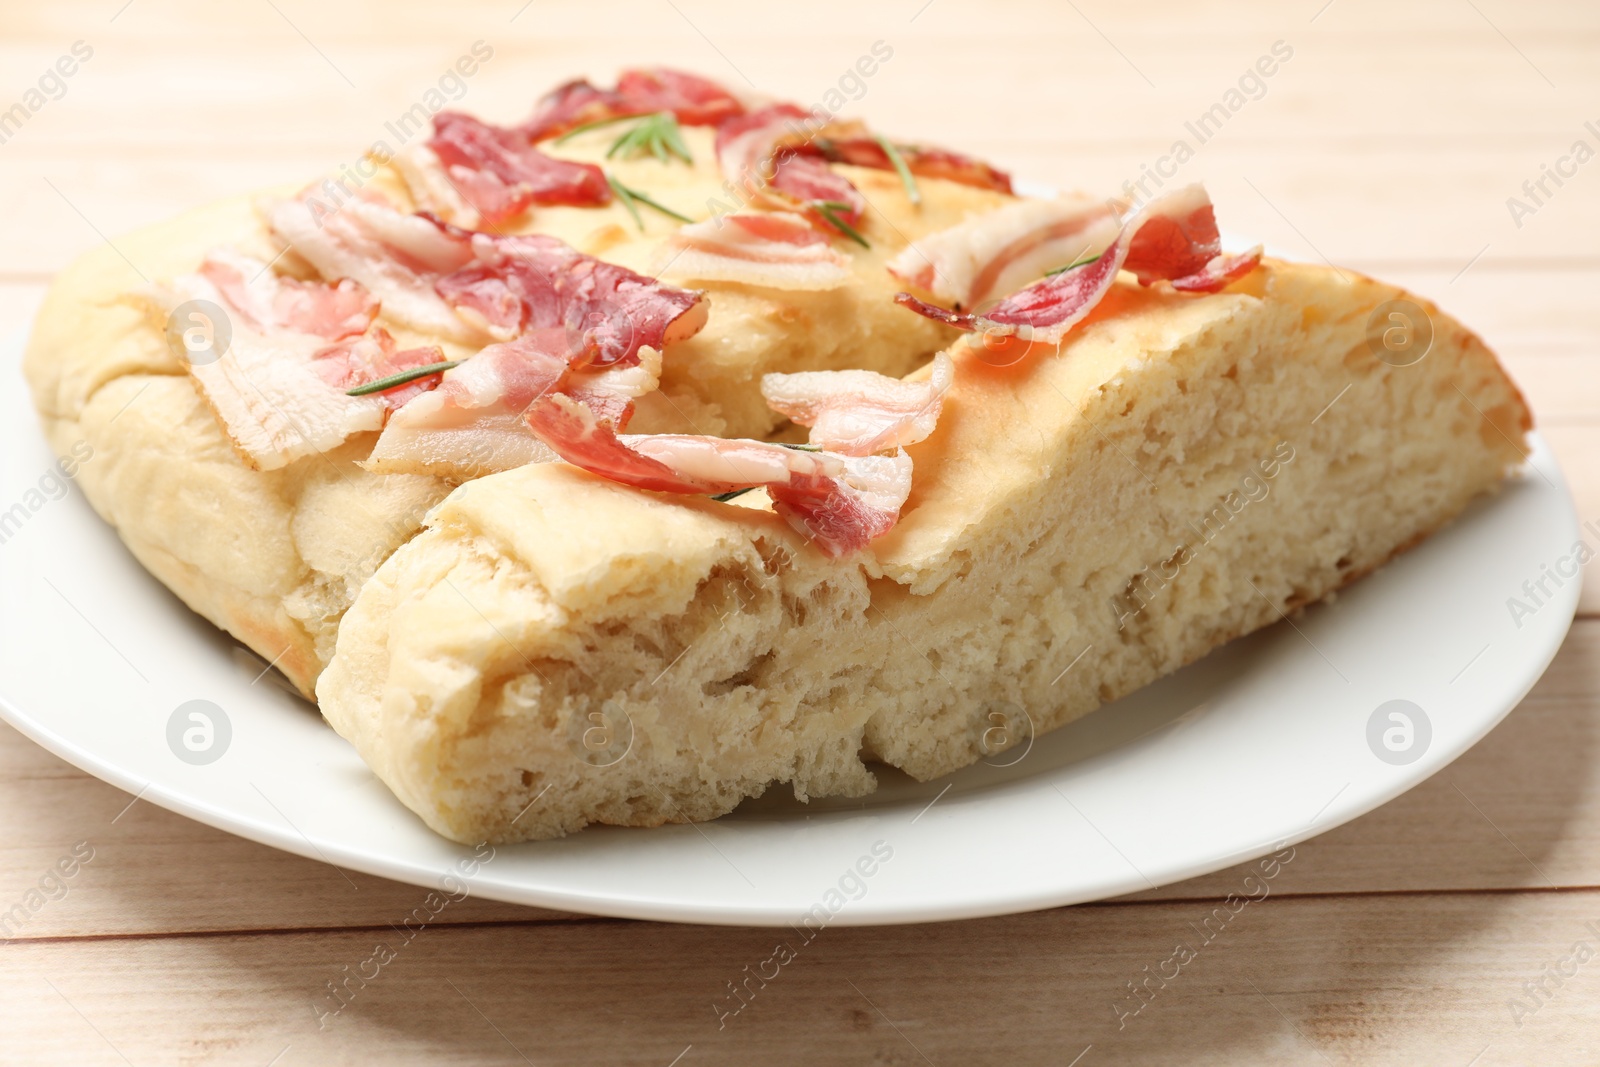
{"x": 734, "y": 656}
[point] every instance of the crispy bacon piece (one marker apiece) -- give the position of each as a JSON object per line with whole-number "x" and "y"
{"x": 568, "y": 106}
{"x": 395, "y": 256}
{"x": 767, "y": 153}
{"x": 266, "y": 301}
{"x": 1000, "y": 251}
{"x": 773, "y": 249}
{"x": 922, "y": 160}
{"x": 696, "y": 101}
{"x": 839, "y": 502}
{"x": 1220, "y": 272}
{"x": 1174, "y": 239}
{"x": 359, "y": 361}
{"x": 811, "y": 184}
{"x": 472, "y": 424}
{"x": 467, "y": 286}
{"x": 747, "y": 144}
{"x": 501, "y": 174}
{"x": 432, "y": 191}
{"x": 264, "y": 383}
{"x": 859, "y": 412}
{"x": 537, "y": 282}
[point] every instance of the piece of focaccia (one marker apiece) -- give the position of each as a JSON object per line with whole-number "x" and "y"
{"x": 557, "y": 650}
{"x": 275, "y": 556}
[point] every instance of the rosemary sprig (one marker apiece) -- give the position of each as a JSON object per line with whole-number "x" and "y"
{"x": 657, "y": 134}
{"x": 912, "y": 192}
{"x": 1070, "y": 266}
{"x": 383, "y": 385}
{"x": 629, "y": 196}
{"x": 829, "y": 209}
{"x": 595, "y": 125}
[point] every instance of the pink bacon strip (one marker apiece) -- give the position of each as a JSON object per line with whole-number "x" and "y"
{"x": 695, "y": 101}
{"x": 501, "y": 174}
{"x": 533, "y": 281}
{"x": 859, "y": 412}
{"x": 1173, "y": 239}
{"x": 359, "y": 361}
{"x": 1003, "y": 250}
{"x": 840, "y": 502}
{"x": 274, "y": 302}
{"x": 463, "y": 285}
{"x": 922, "y": 160}
{"x": 762, "y": 152}
{"x": 774, "y": 249}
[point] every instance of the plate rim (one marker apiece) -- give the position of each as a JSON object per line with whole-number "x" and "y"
{"x": 725, "y": 912}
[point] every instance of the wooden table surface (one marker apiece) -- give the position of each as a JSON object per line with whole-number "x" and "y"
{"x": 1389, "y": 140}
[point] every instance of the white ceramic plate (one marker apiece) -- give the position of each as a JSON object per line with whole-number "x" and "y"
{"x": 1264, "y": 742}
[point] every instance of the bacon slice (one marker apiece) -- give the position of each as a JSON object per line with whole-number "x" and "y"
{"x": 363, "y": 360}
{"x": 469, "y": 287}
{"x": 747, "y": 144}
{"x": 694, "y": 100}
{"x": 472, "y": 424}
{"x": 395, "y": 256}
{"x": 432, "y": 191}
{"x": 1219, "y": 272}
{"x": 830, "y": 198}
{"x": 840, "y": 502}
{"x": 1174, "y": 239}
{"x": 532, "y": 281}
{"x": 568, "y": 106}
{"x": 776, "y": 250}
{"x": 859, "y": 412}
{"x": 265, "y": 385}
{"x": 768, "y": 153}
{"x": 922, "y": 160}
{"x": 1000, "y": 251}
{"x": 501, "y": 174}
{"x": 266, "y": 302}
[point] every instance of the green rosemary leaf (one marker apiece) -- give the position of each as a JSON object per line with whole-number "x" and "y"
{"x": 658, "y": 134}
{"x": 385, "y": 384}
{"x": 672, "y": 137}
{"x": 912, "y": 192}
{"x": 595, "y": 125}
{"x": 829, "y": 209}
{"x": 625, "y": 196}
{"x": 629, "y": 196}
{"x": 664, "y": 209}
{"x": 799, "y": 448}
{"x": 734, "y": 493}
{"x": 623, "y": 143}
{"x": 1070, "y": 266}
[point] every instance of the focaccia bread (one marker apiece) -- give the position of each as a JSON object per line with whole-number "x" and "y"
{"x": 557, "y": 650}
{"x": 275, "y": 556}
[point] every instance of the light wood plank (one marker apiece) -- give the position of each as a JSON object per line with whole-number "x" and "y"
{"x": 1403, "y": 151}
{"x": 1374, "y": 980}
